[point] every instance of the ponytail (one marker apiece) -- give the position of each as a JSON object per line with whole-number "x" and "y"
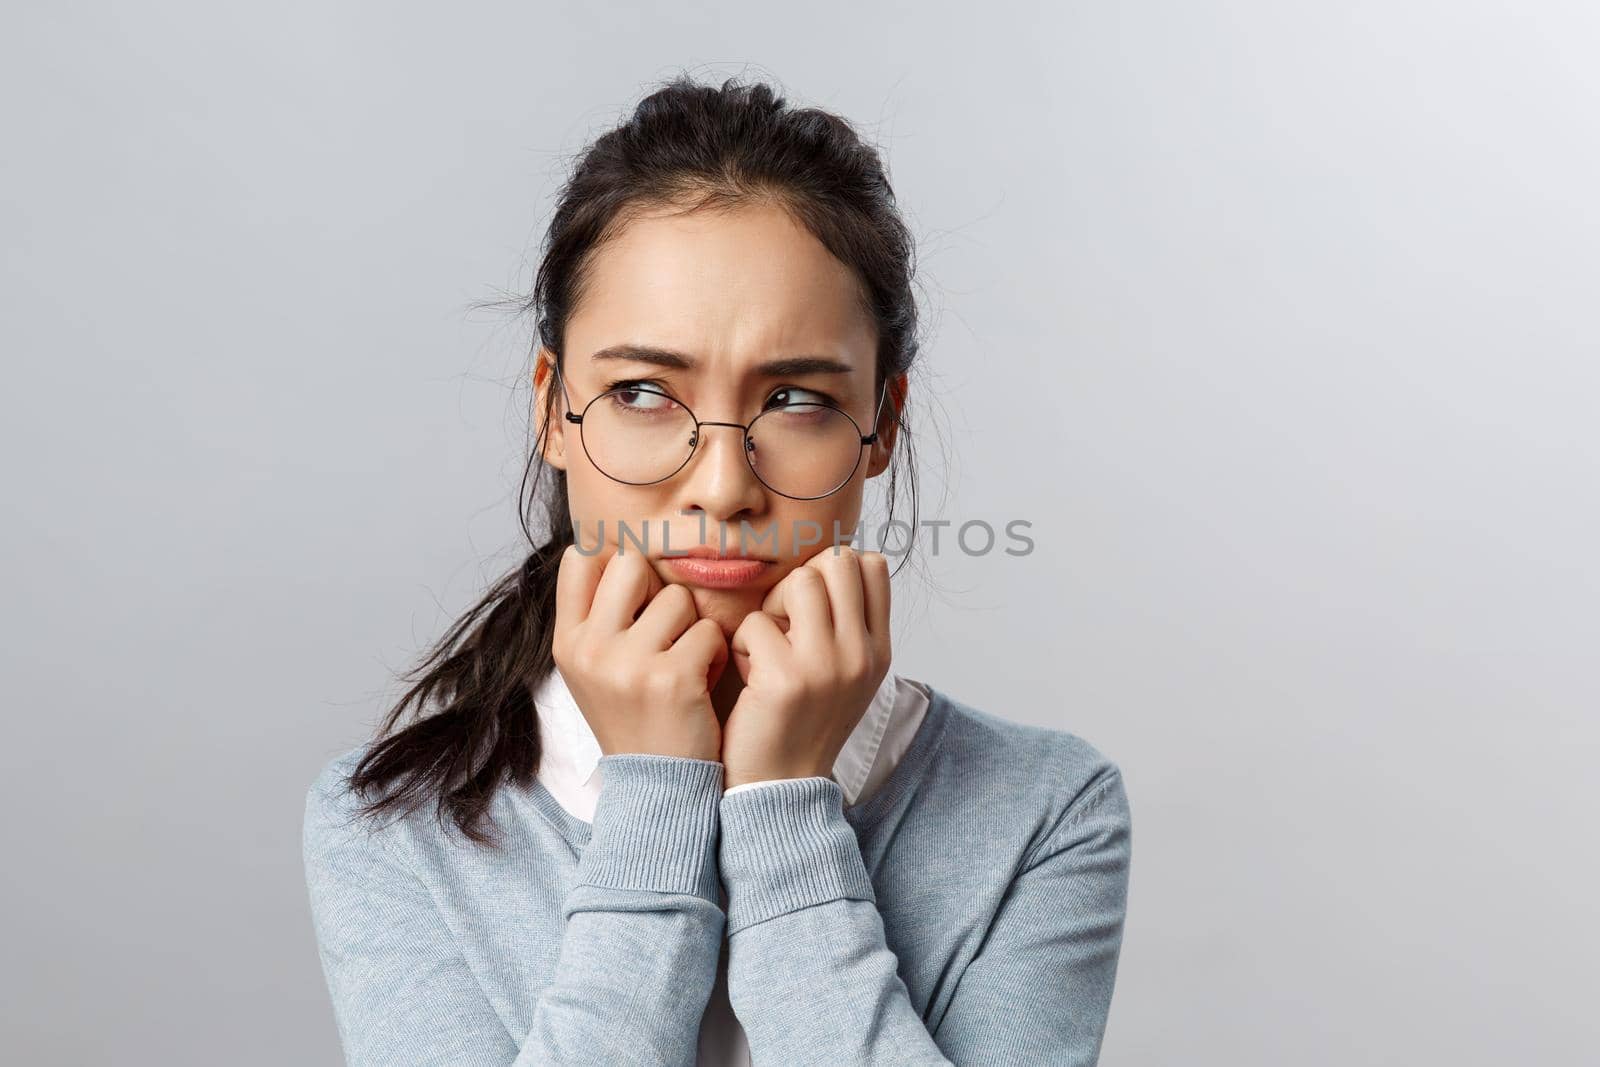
{"x": 481, "y": 676}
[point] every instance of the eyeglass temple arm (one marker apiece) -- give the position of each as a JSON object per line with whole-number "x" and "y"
{"x": 568, "y": 400}
{"x": 867, "y": 439}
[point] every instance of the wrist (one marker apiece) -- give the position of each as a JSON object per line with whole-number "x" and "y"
{"x": 730, "y": 779}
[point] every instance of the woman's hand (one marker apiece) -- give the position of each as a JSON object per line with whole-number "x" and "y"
{"x": 807, "y": 683}
{"x": 644, "y": 684}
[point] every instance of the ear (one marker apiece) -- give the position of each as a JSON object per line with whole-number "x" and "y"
{"x": 544, "y": 383}
{"x": 888, "y": 424}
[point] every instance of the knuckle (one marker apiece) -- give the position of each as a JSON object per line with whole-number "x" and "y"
{"x": 585, "y": 656}
{"x": 661, "y": 682}
{"x": 792, "y": 685}
{"x": 855, "y": 666}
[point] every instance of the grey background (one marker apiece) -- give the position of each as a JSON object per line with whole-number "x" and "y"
{"x": 1276, "y": 319}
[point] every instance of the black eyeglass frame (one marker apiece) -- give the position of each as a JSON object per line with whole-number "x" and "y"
{"x": 749, "y": 446}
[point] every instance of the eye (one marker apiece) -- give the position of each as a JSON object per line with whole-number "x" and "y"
{"x": 640, "y": 396}
{"x": 789, "y": 395}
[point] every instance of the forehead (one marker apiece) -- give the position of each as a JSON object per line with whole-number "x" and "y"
{"x": 735, "y": 285}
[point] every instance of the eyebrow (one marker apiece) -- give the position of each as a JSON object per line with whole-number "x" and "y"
{"x": 772, "y": 368}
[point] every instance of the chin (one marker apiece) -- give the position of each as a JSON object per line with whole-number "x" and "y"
{"x": 727, "y": 606}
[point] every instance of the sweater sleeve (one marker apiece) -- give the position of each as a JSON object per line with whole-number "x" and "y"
{"x": 813, "y": 981}
{"x": 641, "y": 935}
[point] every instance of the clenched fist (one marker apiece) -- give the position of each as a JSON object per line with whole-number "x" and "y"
{"x": 643, "y": 683}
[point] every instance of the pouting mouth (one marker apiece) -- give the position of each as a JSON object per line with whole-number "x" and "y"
{"x": 711, "y": 552}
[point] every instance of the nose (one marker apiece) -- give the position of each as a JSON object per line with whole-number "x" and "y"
{"x": 718, "y": 479}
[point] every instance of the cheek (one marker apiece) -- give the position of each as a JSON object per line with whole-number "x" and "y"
{"x": 594, "y": 500}
{"x": 585, "y": 509}
{"x": 803, "y": 532}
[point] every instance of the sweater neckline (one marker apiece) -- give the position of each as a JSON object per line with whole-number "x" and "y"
{"x": 917, "y": 754}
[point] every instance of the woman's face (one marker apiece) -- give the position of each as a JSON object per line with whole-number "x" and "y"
{"x": 727, "y": 292}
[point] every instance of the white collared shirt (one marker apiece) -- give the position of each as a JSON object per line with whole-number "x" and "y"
{"x": 571, "y": 753}
{"x": 571, "y": 759}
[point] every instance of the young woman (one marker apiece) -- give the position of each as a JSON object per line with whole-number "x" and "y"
{"x": 662, "y": 800}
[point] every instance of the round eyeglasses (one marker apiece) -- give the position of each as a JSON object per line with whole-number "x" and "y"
{"x": 637, "y": 435}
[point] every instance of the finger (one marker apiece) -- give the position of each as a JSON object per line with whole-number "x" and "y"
{"x": 669, "y": 613}
{"x": 702, "y": 645}
{"x": 841, "y": 575}
{"x": 626, "y": 586}
{"x": 876, "y": 594}
{"x": 758, "y": 635}
{"x": 775, "y": 604}
{"x": 577, "y": 577}
{"x": 810, "y": 615}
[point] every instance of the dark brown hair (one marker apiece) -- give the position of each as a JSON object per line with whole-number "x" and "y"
{"x": 688, "y": 144}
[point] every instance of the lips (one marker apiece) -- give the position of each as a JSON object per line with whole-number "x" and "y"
{"x": 706, "y": 552}
{"x": 712, "y": 553}
{"x": 714, "y": 571}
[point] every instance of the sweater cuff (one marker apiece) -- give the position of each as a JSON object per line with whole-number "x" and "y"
{"x": 655, "y": 825}
{"x": 750, "y": 785}
{"x": 786, "y": 847}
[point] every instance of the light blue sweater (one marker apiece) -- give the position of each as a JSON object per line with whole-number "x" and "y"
{"x": 970, "y": 911}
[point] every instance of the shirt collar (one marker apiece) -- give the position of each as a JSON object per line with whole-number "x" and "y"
{"x": 570, "y": 749}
